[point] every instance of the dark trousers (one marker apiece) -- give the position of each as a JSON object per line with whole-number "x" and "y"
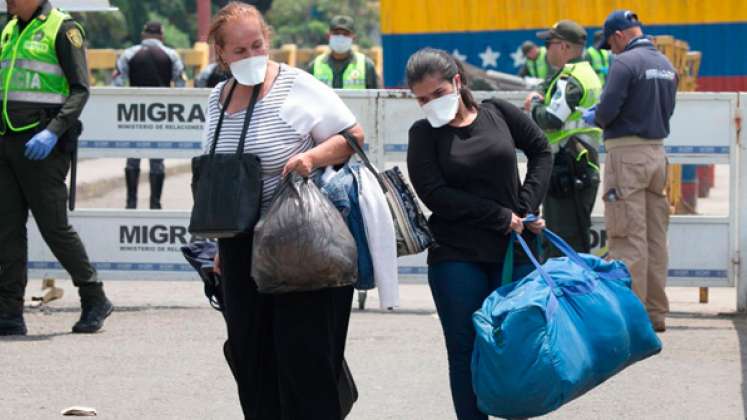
{"x": 286, "y": 349}
{"x": 156, "y": 165}
{"x": 570, "y": 217}
{"x": 459, "y": 289}
{"x": 39, "y": 186}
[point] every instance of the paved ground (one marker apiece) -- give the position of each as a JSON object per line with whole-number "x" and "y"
{"x": 159, "y": 358}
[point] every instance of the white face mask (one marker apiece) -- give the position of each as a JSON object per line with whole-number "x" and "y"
{"x": 441, "y": 111}
{"x": 250, "y": 71}
{"x": 340, "y": 43}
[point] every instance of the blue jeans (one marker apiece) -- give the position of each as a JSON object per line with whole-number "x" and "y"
{"x": 459, "y": 289}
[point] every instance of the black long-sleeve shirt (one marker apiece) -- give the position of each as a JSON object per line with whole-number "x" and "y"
{"x": 468, "y": 177}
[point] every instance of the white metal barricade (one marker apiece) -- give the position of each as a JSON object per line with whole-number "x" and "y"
{"x": 169, "y": 123}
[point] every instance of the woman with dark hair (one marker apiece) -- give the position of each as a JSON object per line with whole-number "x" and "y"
{"x": 462, "y": 163}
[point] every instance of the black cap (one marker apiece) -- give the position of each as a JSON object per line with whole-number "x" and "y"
{"x": 619, "y": 20}
{"x": 527, "y": 46}
{"x": 341, "y": 22}
{"x": 153, "y": 28}
{"x": 567, "y": 30}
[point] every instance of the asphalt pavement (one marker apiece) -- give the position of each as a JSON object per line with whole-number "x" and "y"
{"x": 159, "y": 357}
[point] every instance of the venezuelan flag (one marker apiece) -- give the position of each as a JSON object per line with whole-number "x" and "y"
{"x": 488, "y": 33}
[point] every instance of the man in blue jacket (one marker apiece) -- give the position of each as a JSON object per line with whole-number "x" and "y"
{"x": 634, "y": 112}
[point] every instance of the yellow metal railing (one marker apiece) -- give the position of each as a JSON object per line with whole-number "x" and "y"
{"x": 198, "y": 57}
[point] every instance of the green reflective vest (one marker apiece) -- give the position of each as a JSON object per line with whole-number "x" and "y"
{"x": 592, "y": 87}
{"x": 600, "y": 61}
{"x": 354, "y": 76}
{"x": 29, "y": 68}
{"x": 538, "y": 67}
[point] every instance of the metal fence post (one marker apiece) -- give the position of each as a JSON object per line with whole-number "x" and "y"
{"x": 741, "y": 180}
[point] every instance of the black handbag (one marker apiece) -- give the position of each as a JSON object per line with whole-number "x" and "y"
{"x": 410, "y": 225}
{"x": 227, "y": 188}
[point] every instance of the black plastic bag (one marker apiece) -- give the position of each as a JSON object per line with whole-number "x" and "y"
{"x": 302, "y": 243}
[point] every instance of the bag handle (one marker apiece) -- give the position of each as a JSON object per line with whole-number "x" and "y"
{"x": 550, "y": 282}
{"x": 247, "y": 117}
{"x": 566, "y": 249}
{"x": 364, "y": 158}
{"x": 220, "y": 118}
{"x": 560, "y": 244}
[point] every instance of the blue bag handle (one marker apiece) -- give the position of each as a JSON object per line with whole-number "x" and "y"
{"x": 566, "y": 249}
{"x": 507, "y": 273}
{"x": 550, "y": 282}
{"x": 556, "y": 241}
{"x": 569, "y": 252}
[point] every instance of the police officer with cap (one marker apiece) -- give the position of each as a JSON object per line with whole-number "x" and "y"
{"x": 343, "y": 68}
{"x": 150, "y": 64}
{"x": 575, "y": 176}
{"x": 536, "y": 61}
{"x": 45, "y": 86}
{"x": 599, "y": 58}
{"x": 634, "y": 111}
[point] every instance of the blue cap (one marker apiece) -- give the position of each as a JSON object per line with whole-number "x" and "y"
{"x": 619, "y": 20}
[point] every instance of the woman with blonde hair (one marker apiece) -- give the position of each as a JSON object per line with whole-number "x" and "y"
{"x": 286, "y": 350}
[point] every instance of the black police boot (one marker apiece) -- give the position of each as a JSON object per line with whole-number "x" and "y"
{"x": 95, "y": 308}
{"x": 132, "y": 177}
{"x": 12, "y": 325}
{"x": 156, "y": 186}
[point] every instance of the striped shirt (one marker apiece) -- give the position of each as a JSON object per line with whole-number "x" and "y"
{"x": 283, "y": 124}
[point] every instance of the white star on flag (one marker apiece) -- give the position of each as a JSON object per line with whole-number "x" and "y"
{"x": 490, "y": 57}
{"x": 459, "y": 56}
{"x": 518, "y": 57}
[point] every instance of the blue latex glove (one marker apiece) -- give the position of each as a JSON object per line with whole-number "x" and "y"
{"x": 41, "y": 145}
{"x": 589, "y": 115}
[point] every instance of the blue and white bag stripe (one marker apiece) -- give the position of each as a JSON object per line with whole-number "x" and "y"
{"x": 557, "y": 333}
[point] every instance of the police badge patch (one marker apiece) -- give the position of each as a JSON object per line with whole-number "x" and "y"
{"x": 75, "y": 37}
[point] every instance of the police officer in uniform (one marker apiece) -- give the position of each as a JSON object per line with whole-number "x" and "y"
{"x": 536, "y": 61}
{"x": 45, "y": 86}
{"x": 343, "y": 68}
{"x": 150, "y": 64}
{"x": 598, "y": 58}
{"x": 575, "y": 176}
